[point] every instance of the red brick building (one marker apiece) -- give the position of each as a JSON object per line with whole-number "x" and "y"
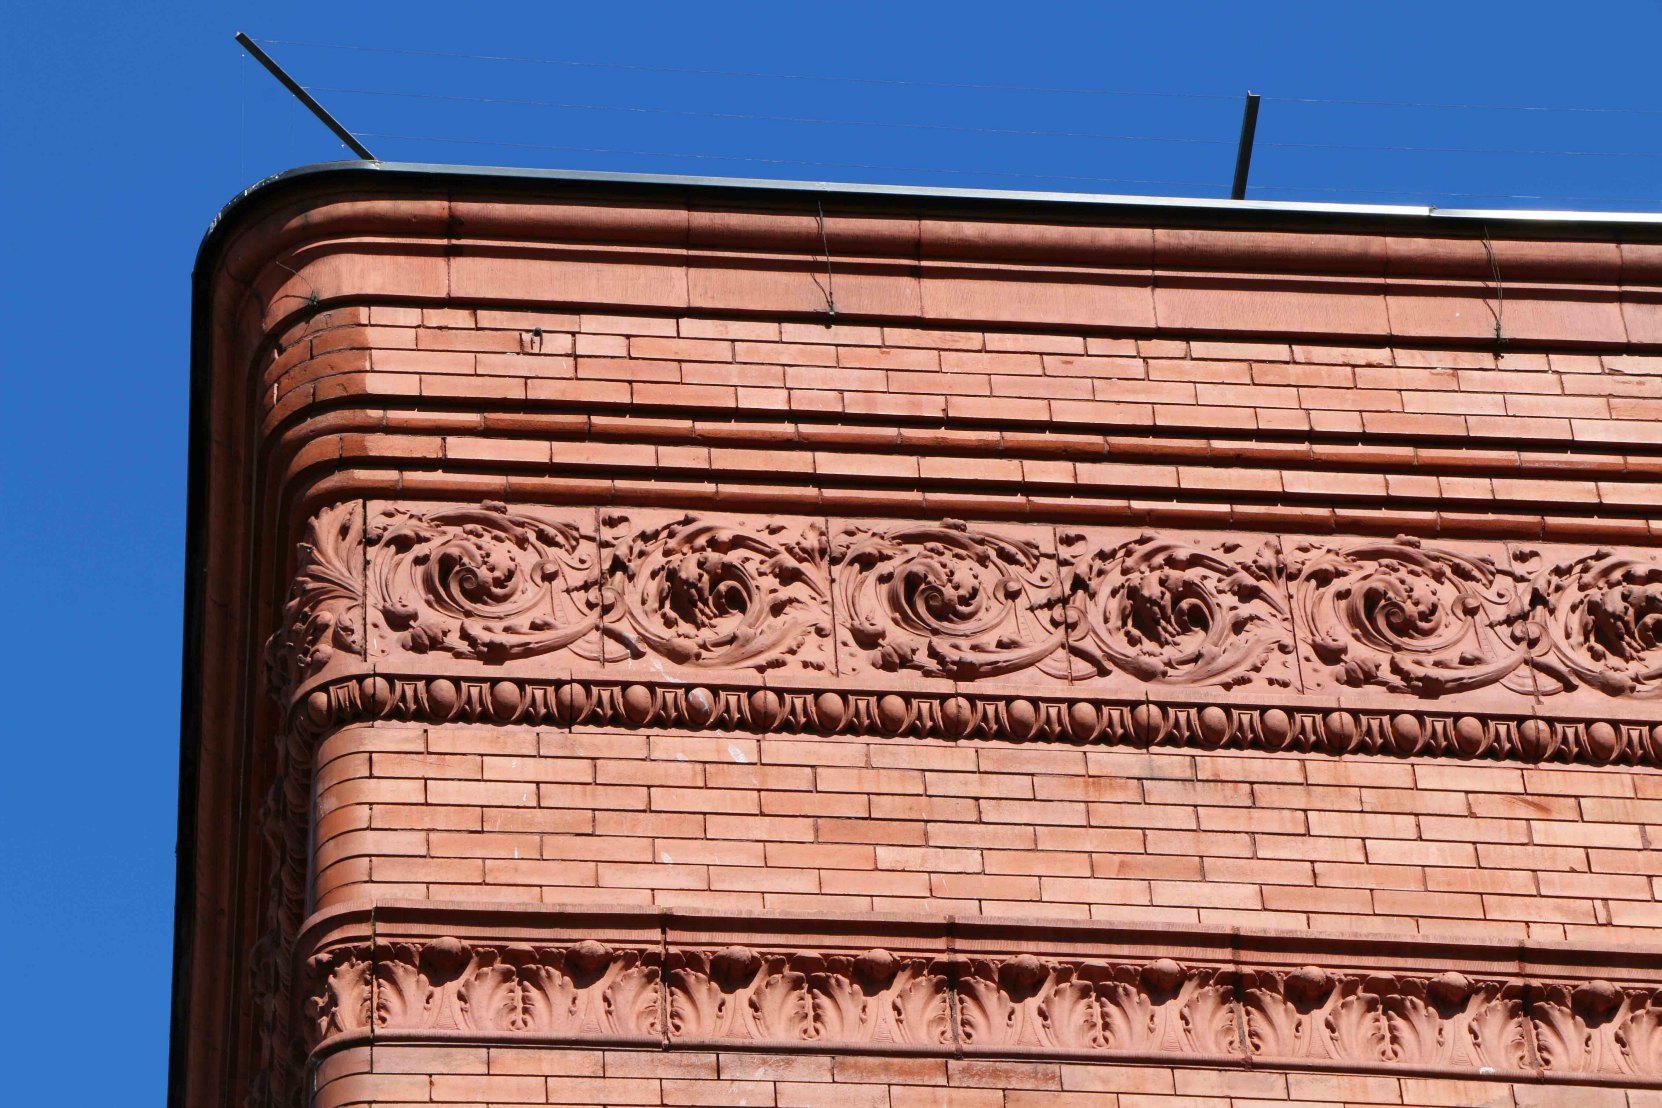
{"x": 656, "y": 641}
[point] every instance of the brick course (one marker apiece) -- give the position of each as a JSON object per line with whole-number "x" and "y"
{"x": 399, "y": 1075}
{"x": 1412, "y": 847}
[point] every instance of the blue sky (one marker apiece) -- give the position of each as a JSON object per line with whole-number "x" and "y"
{"x": 127, "y": 126}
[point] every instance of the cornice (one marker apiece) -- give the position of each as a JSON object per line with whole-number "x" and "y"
{"x": 1429, "y": 240}
{"x": 914, "y": 261}
{"x": 1058, "y": 990}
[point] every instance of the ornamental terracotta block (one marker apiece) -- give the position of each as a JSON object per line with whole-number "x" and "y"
{"x": 1122, "y": 648}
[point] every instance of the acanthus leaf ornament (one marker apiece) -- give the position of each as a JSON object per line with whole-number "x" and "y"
{"x": 879, "y": 998}
{"x": 1451, "y": 1020}
{"x": 991, "y": 1005}
{"x": 1600, "y": 617}
{"x": 1169, "y": 612}
{"x": 947, "y": 600}
{"x": 1598, "y": 1027}
{"x": 582, "y": 989}
{"x": 1410, "y": 618}
{"x": 701, "y": 592}
{"x": 488, "y": 583}
{"x": 324, "y": 611}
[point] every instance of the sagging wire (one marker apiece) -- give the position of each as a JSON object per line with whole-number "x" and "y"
{"x": 1499, "y": 310}
{"x": 827, "y": 290}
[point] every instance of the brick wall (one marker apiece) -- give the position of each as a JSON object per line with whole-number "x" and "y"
{"x": 1332, "y": 844}
{"x": 463, "y": 877}
{"x": 1456, "y": 440}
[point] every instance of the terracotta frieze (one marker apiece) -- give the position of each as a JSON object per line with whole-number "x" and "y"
{"x": 974, "y": 987}
{"x": 636, "y": 618}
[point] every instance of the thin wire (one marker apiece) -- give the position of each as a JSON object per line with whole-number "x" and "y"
{"x": 1461, "y": 107}
{"x": 830, "y": 286}
{"x": 1468, "y": 150}
{"x": 960, "y": 129}
{"x": 768, "y": 118}
{"x": 1065, "y": 90}
{"x": 1499, "y": 310}
{"x": 774, "y": 161}
{"x": 1212, "y": 185}
{"x": 748, "y": 73}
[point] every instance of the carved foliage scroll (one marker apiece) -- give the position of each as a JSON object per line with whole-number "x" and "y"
{"x": 324, "y": 613}
{"x": 949, "y": 600}
{"x": 486, "y": 583}
{"x": 705, "y": 593}
{"x": 1410, "y": 618}
{"x": 1600, "y": 620}
{"x": 957, "y": 601}
{"x": 1163, "y": 610}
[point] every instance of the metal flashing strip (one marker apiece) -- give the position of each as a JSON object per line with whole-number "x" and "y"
{"x": 1406, "y": 213}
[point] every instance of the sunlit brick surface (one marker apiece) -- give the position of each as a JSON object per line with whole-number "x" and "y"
{"x": 746, "y": 823}
{"x": 564, "y": 800}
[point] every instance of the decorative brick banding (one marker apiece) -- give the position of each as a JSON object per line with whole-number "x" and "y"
{"x": 1128, "y": 656}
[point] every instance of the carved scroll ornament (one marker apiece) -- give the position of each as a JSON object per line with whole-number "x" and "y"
{"x": 775, "y": 999}
{"x": 704, "y": 593}
{"x": 948, "y": 601}
{"x": 1094, "y": 610}
{"x": 1602, "y": 623}
{"x": 482, "y": 583}
{"x": 1171, "y": 613}
{"x": 324, "y": 612}
{"x": 1411, "y": 619}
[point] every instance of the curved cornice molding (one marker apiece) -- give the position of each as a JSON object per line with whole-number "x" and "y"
{"x": 414, "y": 239}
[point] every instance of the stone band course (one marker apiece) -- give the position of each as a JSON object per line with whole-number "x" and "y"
{"x": 986, "y": 988}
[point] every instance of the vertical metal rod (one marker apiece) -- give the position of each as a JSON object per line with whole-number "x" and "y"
{"x": 304, "y": 97}
{"x": 1243, "y": 154}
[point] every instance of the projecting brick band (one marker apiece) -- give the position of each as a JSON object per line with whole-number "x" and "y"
{"x": 984, "y": 988}
{"x": 1006, "y": 630}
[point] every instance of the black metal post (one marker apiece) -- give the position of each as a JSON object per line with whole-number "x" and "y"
{"x": 1243, "y": 154}
{"x": 304, "y": 97}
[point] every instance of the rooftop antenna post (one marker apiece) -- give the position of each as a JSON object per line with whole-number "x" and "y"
{"x": 1243, "y": 153}
{"x": 304, "y": 97}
